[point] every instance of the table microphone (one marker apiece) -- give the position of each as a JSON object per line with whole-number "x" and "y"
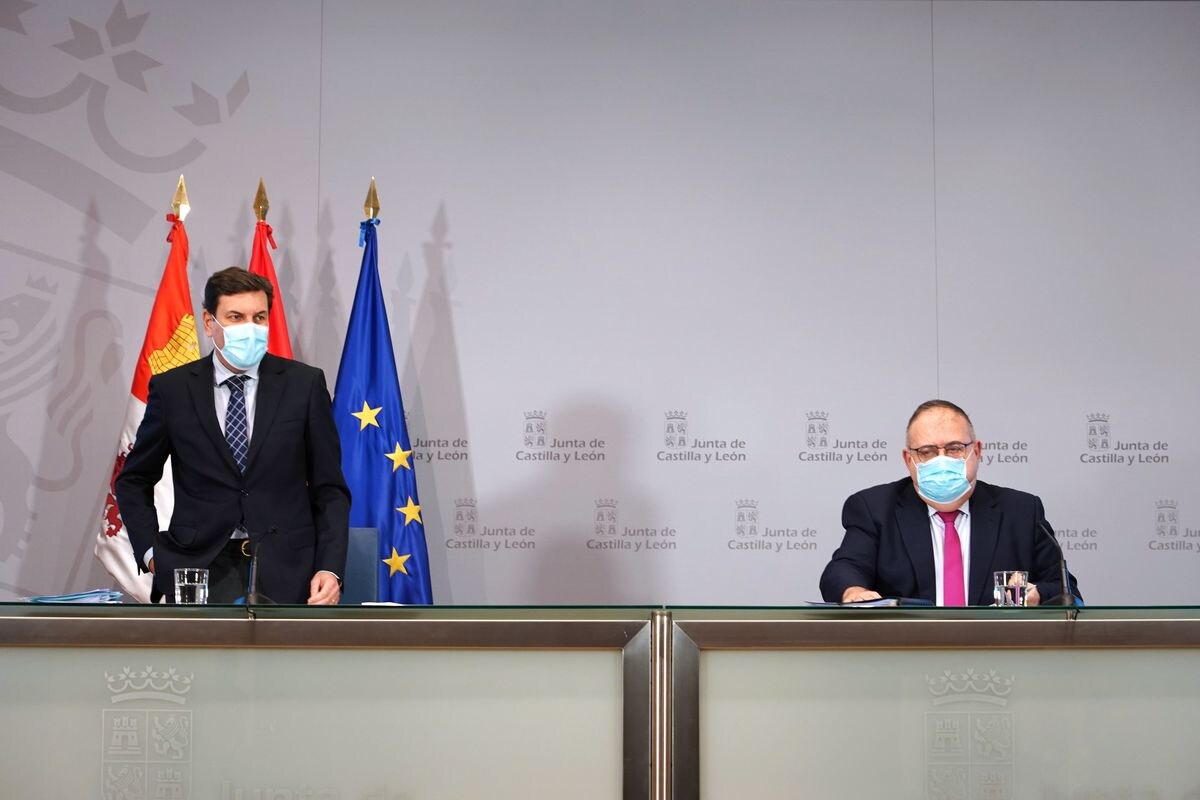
{"x": 253, "y": 595}
{"x": 1066, "y": 598}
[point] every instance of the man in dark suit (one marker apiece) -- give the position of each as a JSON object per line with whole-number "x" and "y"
{"x": 255, "y": 460}
{"x": 940, "y": 533}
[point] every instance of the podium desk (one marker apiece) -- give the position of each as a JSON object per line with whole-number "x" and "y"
{"x": 382, "y": 703}
{"x": 291, "y": 702}
{"x": 970, "y": 703}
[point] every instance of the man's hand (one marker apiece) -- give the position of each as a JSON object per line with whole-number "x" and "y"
{"x": 324, "y": 589}
{"x": 1032, "y": 598}
{"x": 857, "y": 594}
{"x": 150, "y": 566}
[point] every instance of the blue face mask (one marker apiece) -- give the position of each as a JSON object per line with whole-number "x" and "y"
{"x": 943, "y": 479}
{"x": 245, "y": 344}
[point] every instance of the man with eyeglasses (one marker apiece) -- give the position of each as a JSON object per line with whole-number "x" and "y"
{"x": 939, "y": 534}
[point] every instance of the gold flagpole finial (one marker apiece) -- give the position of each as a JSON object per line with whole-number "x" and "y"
{"x": 371, "y": 206}
{"x": 179, "y": 204}
{"x": 260, "y": 202}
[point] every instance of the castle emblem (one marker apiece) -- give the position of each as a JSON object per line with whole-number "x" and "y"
{"x": 1166, "y": 518}
{"x": 816, "y": 436}
{"x": 1097, "y": 432}
{"x": 746, "y": 520}
{"x": 146, "y": 738}
{"x": 606, "y": 517}
{"x": 968, "y": 741}
{"x": 535, "y": 429}
{"x": 676, "y": 430}
{"x": 464, "y": 516}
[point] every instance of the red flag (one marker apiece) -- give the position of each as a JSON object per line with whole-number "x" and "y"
{"x": 171, "y": 340}
{"x": 278, "y": 341}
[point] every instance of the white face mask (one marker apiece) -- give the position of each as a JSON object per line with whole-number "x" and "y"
{"x": 245, "y": 344}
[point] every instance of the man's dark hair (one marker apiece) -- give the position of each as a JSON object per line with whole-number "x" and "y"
{"x": 234, "y": 280}
{"x": 929, "y": 405}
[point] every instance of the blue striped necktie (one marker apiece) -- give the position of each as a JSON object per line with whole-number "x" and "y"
{"x": 236, "y": 433}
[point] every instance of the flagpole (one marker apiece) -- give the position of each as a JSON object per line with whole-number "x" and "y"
{"x": 179, "y": 203}
{"x": 261, "y": 205}
{"x": 371, "y": 206}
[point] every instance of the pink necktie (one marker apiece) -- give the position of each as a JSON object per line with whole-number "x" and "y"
{"x": 953, "y": 593}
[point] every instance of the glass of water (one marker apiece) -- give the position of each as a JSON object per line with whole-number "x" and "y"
{"x": 1009, "y": 587}
{"x": 191, "y": 586}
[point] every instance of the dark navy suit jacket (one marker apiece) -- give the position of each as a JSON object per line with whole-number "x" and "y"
{"x": 887, "y": 545}
{"x": 292, "y": 498}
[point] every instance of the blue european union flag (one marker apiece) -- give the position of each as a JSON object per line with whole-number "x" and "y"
{"x": 376, "y": 454}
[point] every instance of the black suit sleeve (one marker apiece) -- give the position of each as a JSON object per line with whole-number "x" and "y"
{"x": 142, "y": 471}
{"x": 327, "y": 490}
{"x": 854, "y": 563}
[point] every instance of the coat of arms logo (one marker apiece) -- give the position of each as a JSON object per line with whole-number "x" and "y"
{"x": 146, "y": 738}
{"x": 968, "y": 739}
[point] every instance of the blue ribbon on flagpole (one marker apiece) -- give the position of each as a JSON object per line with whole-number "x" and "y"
{"x": 362, "y": 230}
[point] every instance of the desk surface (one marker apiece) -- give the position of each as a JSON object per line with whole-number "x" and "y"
{"x": 24, "y": 624}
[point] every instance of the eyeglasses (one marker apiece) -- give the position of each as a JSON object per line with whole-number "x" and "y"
{"x": 953, "y": 450}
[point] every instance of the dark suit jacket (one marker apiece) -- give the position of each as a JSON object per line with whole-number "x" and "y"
{"x": 292, "y": 498}
{"x": 887, "y": 546}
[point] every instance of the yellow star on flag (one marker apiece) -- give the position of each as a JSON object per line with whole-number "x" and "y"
{"x": 411, "y": 511}
{"x": 399, "y": 458}
{"x": 367, "y": 416}
{"x": 396, "y": 563}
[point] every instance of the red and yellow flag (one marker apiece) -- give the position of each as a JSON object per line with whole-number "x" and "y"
{"x": 171, "y": 340}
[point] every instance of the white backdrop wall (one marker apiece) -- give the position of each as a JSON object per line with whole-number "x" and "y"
{"x": 665, "y": 278}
